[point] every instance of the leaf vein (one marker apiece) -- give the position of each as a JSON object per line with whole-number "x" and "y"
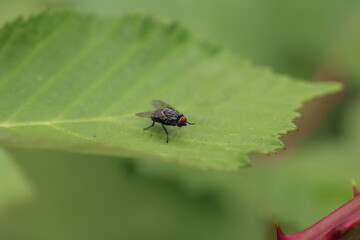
{"x": 39, "y": 46}
{"x": 73, "y": 63}
{"x": 136, "y": 46}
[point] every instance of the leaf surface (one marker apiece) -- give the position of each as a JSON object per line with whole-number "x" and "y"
{"x": 74, "y": 82}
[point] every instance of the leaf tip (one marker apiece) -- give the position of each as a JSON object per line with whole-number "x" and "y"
{"x": 332, "y": 87}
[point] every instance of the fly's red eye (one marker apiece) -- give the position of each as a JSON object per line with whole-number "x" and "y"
{"x": 183, "y": 119}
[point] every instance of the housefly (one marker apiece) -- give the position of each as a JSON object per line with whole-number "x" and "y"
{"x": 166, "y": 115}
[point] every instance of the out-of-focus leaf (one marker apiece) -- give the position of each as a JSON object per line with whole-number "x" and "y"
{"x": 90, "y": 197}
{"x": 344, "y": 51}
{"x": 73, "y": 82}
{"x": 11, "y": 9}
{"x": 13, "y": 185}
{"x": 289, "y": 36}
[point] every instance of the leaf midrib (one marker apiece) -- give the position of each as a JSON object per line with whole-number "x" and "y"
{"x": 114, "y": 119}
{"x": 53, "y": 122}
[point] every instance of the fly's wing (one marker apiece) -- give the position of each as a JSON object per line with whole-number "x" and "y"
{"x": 144, "y": 114}
{"x": 160, "y": 104}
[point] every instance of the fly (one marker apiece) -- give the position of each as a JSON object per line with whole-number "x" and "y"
{"x": 166, "y": 115}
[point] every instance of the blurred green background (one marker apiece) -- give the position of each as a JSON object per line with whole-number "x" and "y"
{"x": 76, "y": 196}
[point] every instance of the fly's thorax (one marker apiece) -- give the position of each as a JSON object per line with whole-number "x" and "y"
{"x": 166, "y": 116}
{"x": 171, "y": 115}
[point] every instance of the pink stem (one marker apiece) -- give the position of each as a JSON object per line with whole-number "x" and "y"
{"x": 332, "y": 226}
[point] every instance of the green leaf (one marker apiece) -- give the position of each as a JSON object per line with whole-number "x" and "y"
{"x": 13, "y": 185}
{"x": 74, "y": 82}
{"x": 344, "y": 52}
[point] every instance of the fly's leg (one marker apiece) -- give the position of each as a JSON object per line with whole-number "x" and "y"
{"x": 167, "y": 134}
{"x": 149, "y": 126}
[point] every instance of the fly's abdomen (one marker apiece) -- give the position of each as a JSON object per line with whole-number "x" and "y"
{"x": 159, "y": 116}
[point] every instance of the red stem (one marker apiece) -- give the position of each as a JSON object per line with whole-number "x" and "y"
{"x": 333, "y": 226}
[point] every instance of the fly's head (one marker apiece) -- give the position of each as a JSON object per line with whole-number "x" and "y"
{"x": 182, "y": 121}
